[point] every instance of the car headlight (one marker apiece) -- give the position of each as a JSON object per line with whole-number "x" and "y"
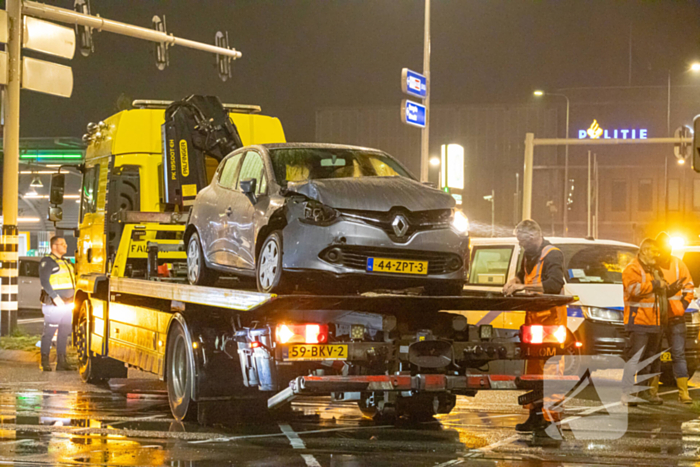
{"x": 602, "y": 314}
{"x": 460, "y": 222}
{"x": 318, "y": 213}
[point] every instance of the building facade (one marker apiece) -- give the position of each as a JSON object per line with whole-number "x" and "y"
{"x": 641, "y": 187}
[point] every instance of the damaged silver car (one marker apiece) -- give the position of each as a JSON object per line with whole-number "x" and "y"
{"x": 327, "y": 218}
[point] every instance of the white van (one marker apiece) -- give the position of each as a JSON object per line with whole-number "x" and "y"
{"x": 593, "y": 273}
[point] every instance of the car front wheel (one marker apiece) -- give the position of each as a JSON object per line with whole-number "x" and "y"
{"x": 268, "y": 268}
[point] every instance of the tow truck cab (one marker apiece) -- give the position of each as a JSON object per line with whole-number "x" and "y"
{"x": 593, "y": 274}
{"x": 124, "y": 172}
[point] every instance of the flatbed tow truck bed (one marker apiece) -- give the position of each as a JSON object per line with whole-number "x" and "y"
{"x": 392, "y": 346}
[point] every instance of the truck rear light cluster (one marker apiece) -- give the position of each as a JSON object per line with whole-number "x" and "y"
{"x": 302, "y": 333}
{"x": 538, "y": 334}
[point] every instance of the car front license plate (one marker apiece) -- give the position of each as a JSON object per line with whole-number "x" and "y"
{"x": 306, "y": 352}
{"x": 397, "y": 266}
{"x": 666, "y": 357}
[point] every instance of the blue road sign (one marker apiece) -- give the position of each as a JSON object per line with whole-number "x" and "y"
{"x": 413, "y": 113}
{"x": 414, "y": 83}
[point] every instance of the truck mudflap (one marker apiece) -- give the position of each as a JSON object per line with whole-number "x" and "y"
{"x": 466, "y": 384}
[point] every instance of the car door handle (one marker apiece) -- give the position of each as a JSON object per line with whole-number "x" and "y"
{"x": 229, "y": 211}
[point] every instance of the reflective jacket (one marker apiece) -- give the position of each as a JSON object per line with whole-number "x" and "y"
{"x": 57, "y": 279}
{"x": 556, "y": 315}
{"x": 641, "y": 303}
{"x": 679, "y": 302}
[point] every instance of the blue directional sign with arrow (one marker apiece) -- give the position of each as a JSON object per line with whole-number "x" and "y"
{"x": 414, "y": 84}
{"x": 413, "y": 113}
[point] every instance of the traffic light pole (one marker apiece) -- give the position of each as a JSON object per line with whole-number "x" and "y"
{"x": 531, "y": 142}
{"x": 9, "y": 239}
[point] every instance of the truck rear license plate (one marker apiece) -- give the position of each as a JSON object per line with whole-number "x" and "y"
{"x": 397, "y": 266}
{"x": 302, "y": 352}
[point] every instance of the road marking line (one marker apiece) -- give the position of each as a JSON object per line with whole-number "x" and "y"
{"x": 502, "y": 442}
{"x": 270, "y": 435}
{"x": 310, "y": 460}
{"x": 292, "y": 436}
{"x": 298, "y": 443}
{"x": 449, "y": 463}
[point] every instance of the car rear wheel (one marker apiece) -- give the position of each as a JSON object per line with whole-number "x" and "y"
{"x": 268, "y": 268}
{"x": 197, "y": 271}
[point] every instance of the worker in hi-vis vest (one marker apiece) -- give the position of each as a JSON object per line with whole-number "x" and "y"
{"x": 57, "y": 294}
{"x": 541, "y": 271}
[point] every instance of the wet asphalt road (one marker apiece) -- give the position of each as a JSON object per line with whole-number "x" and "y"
{"x": 54, "y": 419}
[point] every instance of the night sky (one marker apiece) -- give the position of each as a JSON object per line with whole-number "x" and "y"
{"x": 302, "y": 55}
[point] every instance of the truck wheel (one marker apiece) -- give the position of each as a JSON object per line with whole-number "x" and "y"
{"x": 180, "y": 375}
{"x": 197, "y": 271}
{"x": 268, "y": 268}
{"x": 93, "y": 368}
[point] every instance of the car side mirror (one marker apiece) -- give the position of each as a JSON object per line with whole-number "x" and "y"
{"x": 55, "y": 214}
{"x": 58, "y": 188}
{"x": 248, "y": 188}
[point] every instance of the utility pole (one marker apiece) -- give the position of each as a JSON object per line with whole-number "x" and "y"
{"x": 425, "y": 132}
{"x": 9, "y": 240}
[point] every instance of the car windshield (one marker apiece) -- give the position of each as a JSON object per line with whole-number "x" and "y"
{"x": 301, "y": 164}
{"x": 596, "y": 264}
{"x": 692, "y": 260}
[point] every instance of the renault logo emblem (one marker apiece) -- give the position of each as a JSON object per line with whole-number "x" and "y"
{"x": 400, "y": 225}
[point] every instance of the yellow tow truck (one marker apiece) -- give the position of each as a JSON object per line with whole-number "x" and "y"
{"x": 393, "y": 354}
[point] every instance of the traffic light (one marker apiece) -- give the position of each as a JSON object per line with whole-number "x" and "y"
{"x": 696, "y": 143}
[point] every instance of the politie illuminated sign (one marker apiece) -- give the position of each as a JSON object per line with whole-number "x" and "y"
{"x": 595, "y": 131}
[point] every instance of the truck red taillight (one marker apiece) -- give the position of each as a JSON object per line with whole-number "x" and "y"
{"x": 538, "y": 334}
{"x": 302, "y": 333}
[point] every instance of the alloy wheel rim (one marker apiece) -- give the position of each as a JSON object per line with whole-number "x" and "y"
{"x": 193, "y": 262}
{"x": 269, "y": 264}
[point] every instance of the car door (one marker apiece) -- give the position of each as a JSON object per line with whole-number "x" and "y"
{"x": 213, "y": 213}
{"x": 29, "y": 289}
{"x": 242, "y": 222}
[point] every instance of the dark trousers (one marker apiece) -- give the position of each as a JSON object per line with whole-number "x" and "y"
{"x": 56, "y": 319}
{"x": 649, "y": 344}
{"x": 675, "y": 335}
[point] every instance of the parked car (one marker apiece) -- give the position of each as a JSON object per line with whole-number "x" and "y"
{"x": 593, "y": 273}
{"x": 29, "y": 287}
{"x": 344, "y": 217}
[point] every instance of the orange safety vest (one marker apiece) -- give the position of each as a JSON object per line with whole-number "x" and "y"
{"x": 678, "y": 270}
{"x": 641, "y": 307}
{"x": 554, "y": 316}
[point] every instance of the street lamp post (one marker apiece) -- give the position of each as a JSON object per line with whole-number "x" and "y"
{"x": 565, "y": 206}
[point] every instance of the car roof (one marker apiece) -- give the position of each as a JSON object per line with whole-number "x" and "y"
{"x": 554, "y": 240}
{"x": 317, "y": 146}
